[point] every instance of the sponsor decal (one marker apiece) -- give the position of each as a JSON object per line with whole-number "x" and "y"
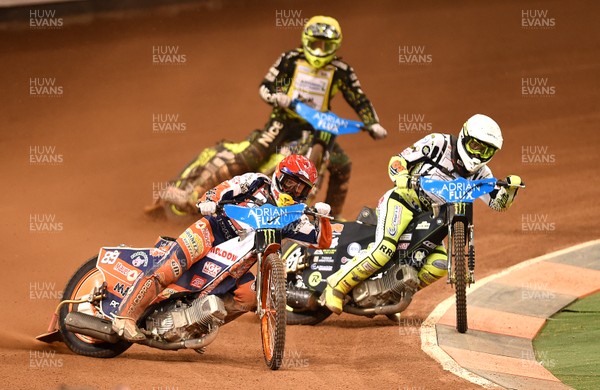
{"x": 403, "y": 245}
{"x": 132, "y": 275}
{"x": 314, "y": 266}
{"x": 405, "y": 237}
{"x": 326, "y": 268}
{"x": 392, "y": 230}
{"x": 110, "y": 257}
{"x": 176, "y": 268}
{"x": 353, "y": 249}
{"x": 315, "y": 279}
{"x": 325, "y": 259}
{"x": 419, "y": 255}
{"x": 140, "y": 295}
{"x": 369, "y": 267}
{"x": 423, "y": 226}
{"x": 120, "y": 289}
{"x": 139, "y": 259}
{"x": 429, "y": 244}
{"x": 223, "y": 253}
{"x": 120, "y": 268}
{"x": 385, "y": 250}
{"x": 345, "y": 259}
{"x": 198, "y": 281}
{"x": 211, "y": 269}
{"x": 192, "y": 242}
{"x": 441, "y": 264}
{"x": 267, "y": 137}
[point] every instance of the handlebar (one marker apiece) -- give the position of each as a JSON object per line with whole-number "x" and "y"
{"x": 505, "y": 184}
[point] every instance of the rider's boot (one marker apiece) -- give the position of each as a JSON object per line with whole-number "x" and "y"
{"x": 344, "y": 280}
{"x": 144, "y": 291}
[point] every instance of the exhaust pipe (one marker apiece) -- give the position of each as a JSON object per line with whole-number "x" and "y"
{"x": 101, "y": 329}
{"x": 302, "y": 299}
{"x": 88, "y": 325}
{"x": 184, "y": 344}
{"x": 385, "y": 310}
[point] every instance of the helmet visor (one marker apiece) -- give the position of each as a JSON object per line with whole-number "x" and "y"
{"x": 294, "y": 186}
{"x": 321, "y": 48}
{"x": 480, "y": 149}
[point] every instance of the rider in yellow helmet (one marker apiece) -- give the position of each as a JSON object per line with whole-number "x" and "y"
{"x": 314, "y": 74}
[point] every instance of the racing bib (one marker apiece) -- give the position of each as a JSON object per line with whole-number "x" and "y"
{"x": 312, "y": 85}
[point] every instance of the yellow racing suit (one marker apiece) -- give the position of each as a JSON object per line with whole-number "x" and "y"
{"x": 434, "y": 156}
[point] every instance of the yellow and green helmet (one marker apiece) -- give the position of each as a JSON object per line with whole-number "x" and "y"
{"x": 321, "y": 38}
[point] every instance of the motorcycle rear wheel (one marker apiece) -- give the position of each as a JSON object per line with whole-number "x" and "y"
{"x": 460, "y": 272}
{"x": 273, "y": 303}
{"x": 81, "y": 283}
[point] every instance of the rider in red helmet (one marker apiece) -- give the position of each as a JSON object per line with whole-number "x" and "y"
{"x": 291, "y": 183}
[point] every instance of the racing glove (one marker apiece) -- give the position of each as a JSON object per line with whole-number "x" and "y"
{"x": 506, "y": 196}
{"x": 376, "y": 131}
{"x": 207, "y": 208}
{"x": 322, "y": 208}
{"x": 280, "y": 100}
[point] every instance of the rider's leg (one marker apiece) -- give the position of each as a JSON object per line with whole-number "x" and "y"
{"x": 393, "y": 218}
{"x": 436, "y": 266}
{"x": 339, "y": 178}
{"x": 192, "y": 245}
{"x": 243, "y": 298}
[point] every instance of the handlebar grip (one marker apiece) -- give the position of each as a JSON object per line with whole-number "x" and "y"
{"x": 312, "y": 212}
{"x": 505, "y": 184}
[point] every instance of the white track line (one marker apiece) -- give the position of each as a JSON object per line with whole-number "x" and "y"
{"x": 429, "y": 336}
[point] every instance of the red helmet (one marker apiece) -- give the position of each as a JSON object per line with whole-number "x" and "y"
{"x": 293, "y": 180}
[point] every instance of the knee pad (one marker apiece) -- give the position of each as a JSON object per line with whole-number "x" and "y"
{"x": 436, "y": 266}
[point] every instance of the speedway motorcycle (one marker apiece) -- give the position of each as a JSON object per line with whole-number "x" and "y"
{"x": 188, "y": 313}
{"x": 316, "y": 144}
{"x": 390, "y": 290}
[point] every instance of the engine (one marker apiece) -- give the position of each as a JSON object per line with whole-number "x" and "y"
{"x": 179, "y": 321}
{"x": 388, "y": 287}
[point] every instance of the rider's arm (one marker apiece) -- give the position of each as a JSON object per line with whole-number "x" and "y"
{"x": 231, "y": 188}
{"x": 277, "y": 79}
{"x": 307, "y": 233}
{"x": 400, "y": 165}
{"x": 501, "y": 198}
{"x": 345, "y": 80}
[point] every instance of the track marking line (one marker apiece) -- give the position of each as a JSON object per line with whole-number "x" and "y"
{"x": 429, "y": 335}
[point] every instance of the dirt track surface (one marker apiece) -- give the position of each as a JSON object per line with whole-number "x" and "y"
{"x": 109, "y": 163}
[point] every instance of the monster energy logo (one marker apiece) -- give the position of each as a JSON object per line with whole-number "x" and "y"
{"x": 324, "y": 136}
{"x": 460, "y": 208}
{"x": 268, "y": 236}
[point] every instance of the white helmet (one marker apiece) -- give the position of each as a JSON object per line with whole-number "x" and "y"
{"x": 478, "y": 141}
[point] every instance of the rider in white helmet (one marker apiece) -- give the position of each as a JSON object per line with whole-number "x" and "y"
{"x": 438, "y": 156}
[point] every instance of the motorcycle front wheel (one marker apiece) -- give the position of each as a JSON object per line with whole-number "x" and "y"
{"x": 460, "y": 273}
{"x": 81, "y": 284}
{"x": 273, "y": 303}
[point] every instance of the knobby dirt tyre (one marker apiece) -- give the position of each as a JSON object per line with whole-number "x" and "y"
{"x": 273, "y": 302}
{"x": 81, "y": 283}
{"x": 460, "y": 273}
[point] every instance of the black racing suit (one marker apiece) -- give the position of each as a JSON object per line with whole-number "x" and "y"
{"x": 291, "y": 74}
